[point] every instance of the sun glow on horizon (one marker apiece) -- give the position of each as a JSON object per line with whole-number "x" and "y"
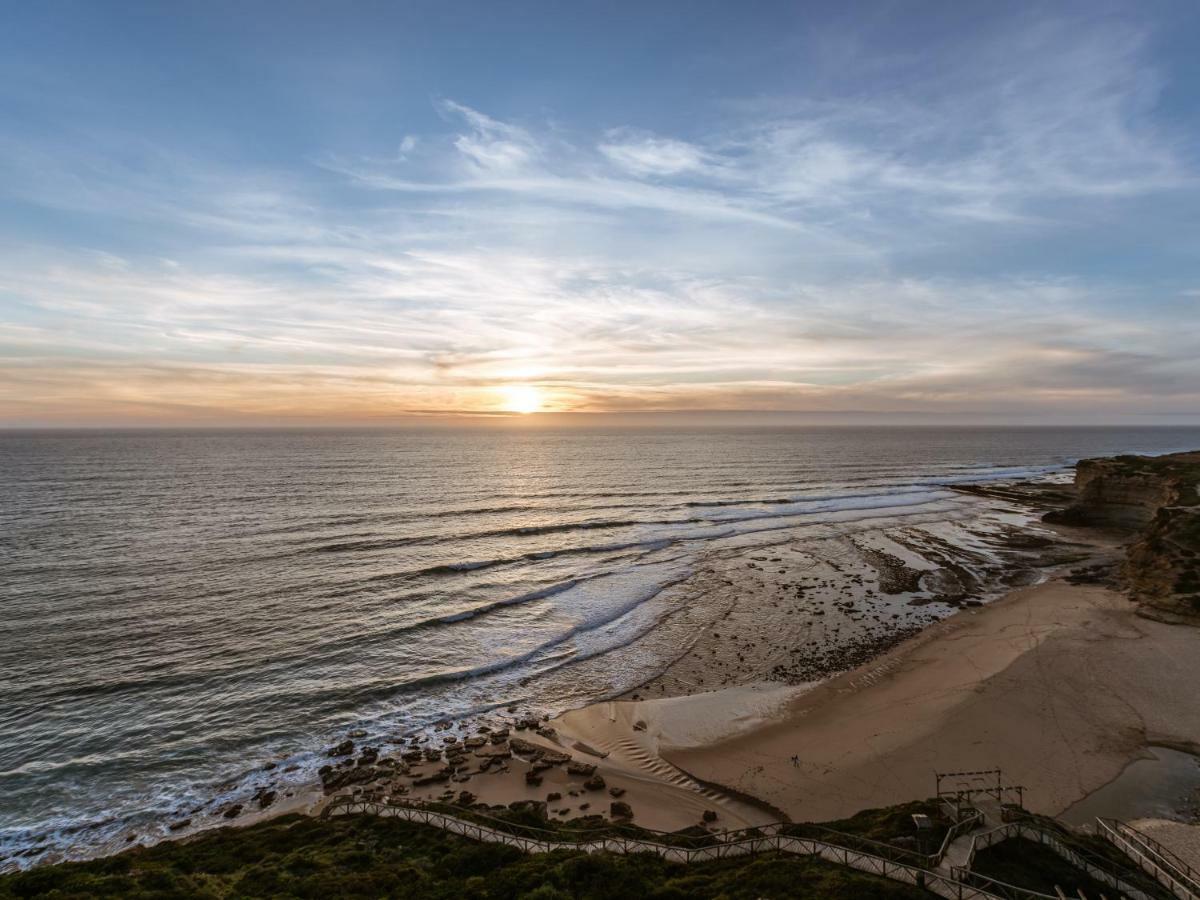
{"x": 521, "y": 398}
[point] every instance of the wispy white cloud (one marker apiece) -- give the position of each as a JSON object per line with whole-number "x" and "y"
{"x": 763, "y": 263}
{"x": 1050, "y": 113}
{"x": 491, "y": 146}
{"x": 650, "y": 155}
{"x": 412, "y": 332}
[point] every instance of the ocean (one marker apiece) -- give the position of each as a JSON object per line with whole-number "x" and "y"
{"x": 179, "y": 609}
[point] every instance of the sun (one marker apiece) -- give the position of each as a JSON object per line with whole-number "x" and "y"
{"x": 521, "y": 398}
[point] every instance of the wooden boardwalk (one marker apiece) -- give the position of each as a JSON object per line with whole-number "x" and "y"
{"x": 1156, "y": 860}
{"x": 727, "y": 844}
{"x": 946, "y": 873}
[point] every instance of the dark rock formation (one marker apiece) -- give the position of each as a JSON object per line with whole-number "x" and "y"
{"x": 434, "y": 778}
{"x": 525, "y": 748}
{"x": 1158, "y": 498}
{"x": 1162, "y": 568}
{"x": 336, "y": 779}
{"x": 619, "y": 809}
{"x": 1128, "y": 491}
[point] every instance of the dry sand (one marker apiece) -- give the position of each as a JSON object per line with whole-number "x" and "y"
{"x": 1061, "y": 686}
{"x": 1058, "y": 685}
{"x": 1182, "y": 840}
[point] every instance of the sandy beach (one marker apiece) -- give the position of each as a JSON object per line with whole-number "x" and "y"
{"x": 1059, "y": 685}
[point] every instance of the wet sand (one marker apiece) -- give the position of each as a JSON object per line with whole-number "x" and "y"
{"x": 1059, "y": 685}
{"x": 793, "y": 611}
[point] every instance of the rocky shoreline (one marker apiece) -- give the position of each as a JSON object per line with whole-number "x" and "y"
{"x": 491, "y": 766}
{"x": 882, "y": 588}
{"x": 559, "y": 778}
{"x": 1156, "y": 501}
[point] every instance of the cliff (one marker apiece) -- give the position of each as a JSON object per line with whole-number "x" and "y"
{"x": 1158, "y": 499}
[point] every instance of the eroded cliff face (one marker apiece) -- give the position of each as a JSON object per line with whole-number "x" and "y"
{"x": 1158, "y": 499}
{"x": 1123, "y": 493}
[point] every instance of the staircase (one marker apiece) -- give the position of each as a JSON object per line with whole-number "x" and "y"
{"x": 639, "y": 757}
{"x": 1152, "y": 857}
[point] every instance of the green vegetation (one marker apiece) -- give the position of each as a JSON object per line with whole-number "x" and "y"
{"x": 1091, "y": 847}
{"x": 1029, "y": 865}
{"x": 1184, "y": 468}
{"x": 891, "y": 822}
{"x": 529, "y": 820}
{"x": 366, "y": 856}
{"x": 892, "y": 825}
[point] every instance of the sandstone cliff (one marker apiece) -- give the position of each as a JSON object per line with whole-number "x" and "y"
{"x": 1158, "y": 499}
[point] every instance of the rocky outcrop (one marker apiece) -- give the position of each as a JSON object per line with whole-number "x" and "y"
{"x": 1128, "y": 491}
{"x": 1162, "y": 568}
{"x": 1158, "y": 498}
{"x": 619, "y": 809}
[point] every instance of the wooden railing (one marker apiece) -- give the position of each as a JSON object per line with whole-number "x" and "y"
{"x": 677, "y": 848}
{"x": 1031, "y": 831}
{"x": 959, "y": 828}
{"x": 853, "y": 851}
{"x": 1152, "y": 857}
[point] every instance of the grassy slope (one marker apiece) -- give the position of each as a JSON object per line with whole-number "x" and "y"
{"x": 1030, "y": 865}
{"x": 366, "y": 856}
{"x": 1183, "y": 466}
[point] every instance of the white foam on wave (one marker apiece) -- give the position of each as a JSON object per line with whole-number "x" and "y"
{"x": 583, "y": 617}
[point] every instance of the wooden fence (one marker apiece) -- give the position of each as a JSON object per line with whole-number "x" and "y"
{"x": 861, "y": 854}
{"x": 1051, "y": 841}
{"x": 723, "y": 845}
{"x": 1154, "y": 859}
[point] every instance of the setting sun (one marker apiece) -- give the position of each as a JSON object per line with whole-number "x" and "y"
{"x": 521, "y": 398}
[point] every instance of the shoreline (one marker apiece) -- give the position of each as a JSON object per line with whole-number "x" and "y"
{"x": 1045, "y": 683}
{"x": 860, "y": 741}
{"x": 634, "y": 743}
{"x": 1022, "y": 683}
{"x": 759, "y": 750}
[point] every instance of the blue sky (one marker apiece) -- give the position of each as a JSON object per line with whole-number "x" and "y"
{"x": 362, "y": 212}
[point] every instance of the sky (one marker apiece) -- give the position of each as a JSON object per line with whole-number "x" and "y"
{"x": 260, "y": 213}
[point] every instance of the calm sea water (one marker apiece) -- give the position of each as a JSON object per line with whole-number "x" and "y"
{"x": 177, "y": 608}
